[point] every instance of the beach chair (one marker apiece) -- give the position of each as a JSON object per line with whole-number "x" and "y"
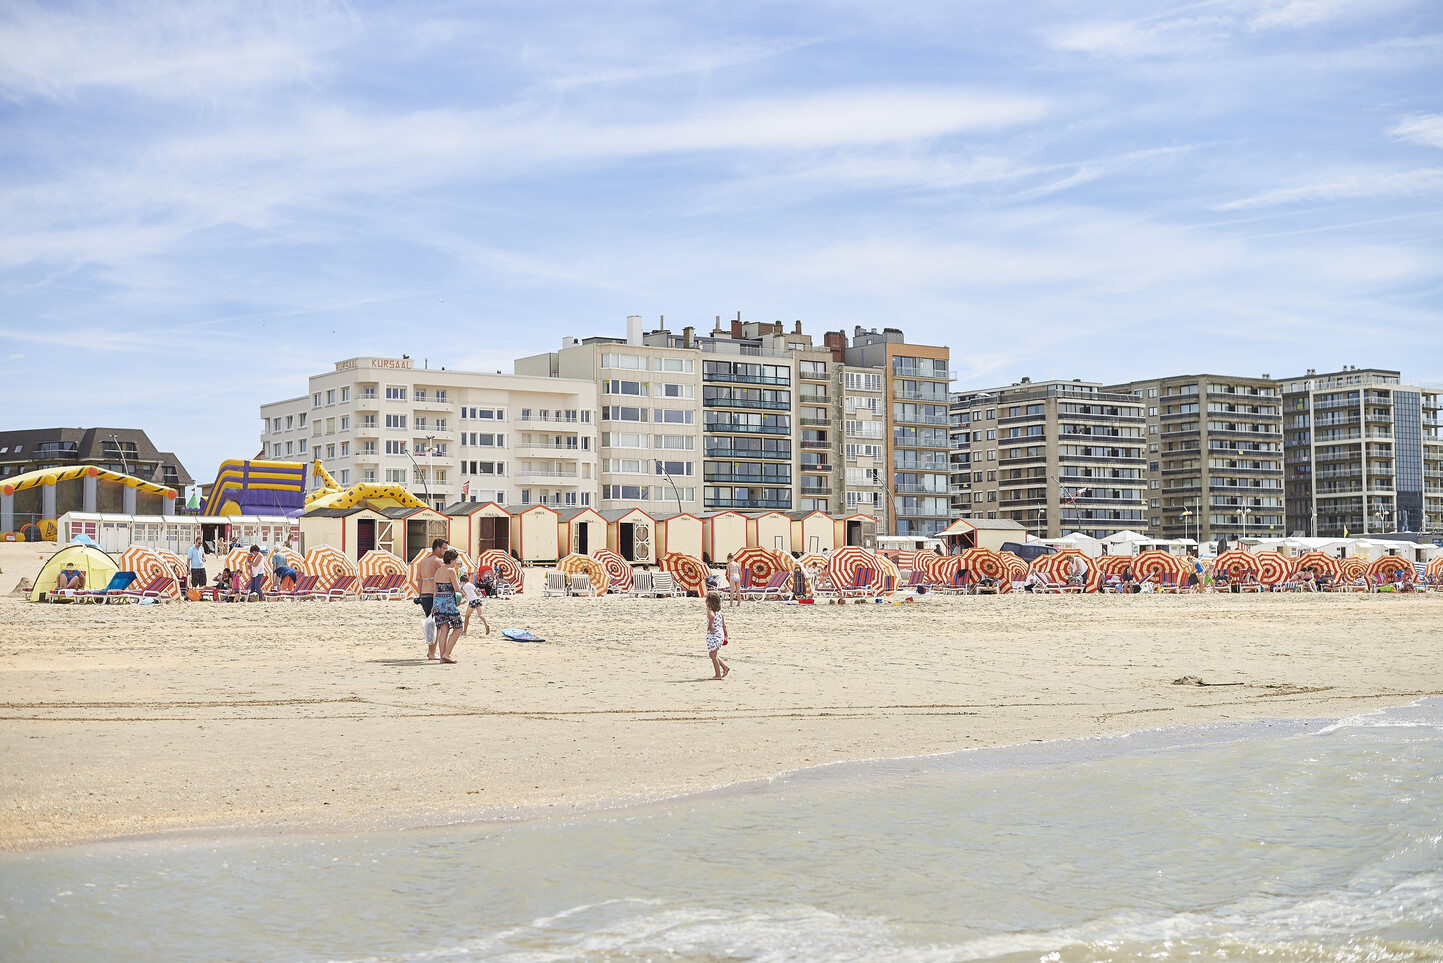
{"x": 339, "y": 590}
{"x": 119, "y": 582}
{"x": 555, "y": 584}
{"x": 1047, "y": 586}
{"x": 777, "y": 587}
{"x": 920, "y": 579}
{"x": 663, "y": 584}
{"x": 154, "y": 589}
{"x": 860, "y": 586}
{"x": 305, "y": 588}
{"x": 374, "y": 587}
{"x": 641, "y": 585}
{"x": 580, "y": 584}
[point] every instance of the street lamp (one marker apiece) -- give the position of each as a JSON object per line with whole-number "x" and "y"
{"x": 1246, "y": 513}
{"x": 661, "y": 467}
{"x": 425, "y": 486}
{"x": 120, "y": 450}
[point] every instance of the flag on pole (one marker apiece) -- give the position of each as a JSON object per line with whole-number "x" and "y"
{"x": 465, "y": 491}
{"x": 1185, "y": 513}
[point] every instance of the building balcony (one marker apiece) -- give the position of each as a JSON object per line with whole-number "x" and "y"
{"x": 550, "y": 424}
{"x": 571, "y": 450}
{"x": 744, "y": 379}
{"x": 817, "y": 468}
{"x": 914, "y": 489}
{"x": 906, "y": 395}
{"x": 734, "y": 429}
{"x": 736, "y": 454}
{"x": 764, "y": 481}
{"x": 545, "y": 473}
{"x": 816, "y": 446}
{"x": 757, "y": 503}
{"x": 815, "y": 491}
{"x": 815, "y": 422}
{"x": 924, "y": 420}
{"x": 742, "y": 403}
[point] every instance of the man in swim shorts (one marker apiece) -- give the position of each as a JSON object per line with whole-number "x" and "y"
{"x": 426, "y": 584}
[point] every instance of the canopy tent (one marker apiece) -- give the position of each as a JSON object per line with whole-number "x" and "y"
{"x": 97, "y": 566}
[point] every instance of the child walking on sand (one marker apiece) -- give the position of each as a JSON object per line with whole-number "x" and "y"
{"x": 716, "y": 634}
{"x": 473, "y": 604}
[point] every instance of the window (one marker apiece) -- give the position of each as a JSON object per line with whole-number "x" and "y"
{"x": 303, "y": 446}
{"x": 345, "y": 422}
{"x": 673, "y": 416}
{"x": 290, "y": 448}
{"x": 617, "y": 386}
{"x": 675, "y": 391}
{"x": 331, "y": 396}
{"x": 330, "y": 451}
{"x": 395, "y": 394}
{"x": 290, "y": 421}
{"x": 629, "y": 362}
{"x": 395, "y": 447}
{"x": 991, "y": 434}
{"x": 345, "y": 396}
{"x": 675, "y": 442}
{"x": 345, "y": 478}
{"x": 368, "y": 475}
{"x": 440, "y": 424}
{"x": 420, "y": 394}
{"x": 396, "y": 476}
{"x": 440, "y": 474}
{"x": 299, "y": 424}
{"x": 622, "y": 413}
{"x": 684, "y": 365}
{"x": 316, "y": 400}
{"x": 330, "y": 426}
{"x": 441, "y": 394}
{"x": 623, "y": 439}
{"x": 813, "y": 369}
{"x": 345, "y": 448}
{"x": 396, "y": 421}
{"x": 368, "y": 421}
{"x": 368, "y": 447}
{"x": 316, "y": 429}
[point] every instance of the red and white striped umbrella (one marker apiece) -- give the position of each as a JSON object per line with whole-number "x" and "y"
{"x": 760, "y": 564}
{"x": 593, "y": 569}
{"x": 984, "y": 563}
{"x": 1236, "y": 563}
{"x": 328, "y": 564}
{"x": 618, "y": 569}
{"x": 689, "y": 570}
{"x": 844, "y": 564}
{"x": 1058, "y": 568}
{"x": 1435, "y": 567}
{"x": 891, "y": 574}
{"x": 505, "y": 566}
{"x": 1015, "y": 564}
{"x": 1320, "y": 562}
{"x": 1154, "y": 564}
{"x": 413, "y": 572}
{"x": 147, "y": 564}
{"x": 1353, "y": 567}
{"x": 1111, "y": 565}
{"x": 1386, "y": 565}
{"x": 1274, "y": 568}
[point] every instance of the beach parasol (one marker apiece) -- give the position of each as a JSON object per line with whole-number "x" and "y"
{"x": 1058, "y": 568}
{"x": 1435, "y": 568}
{"x": 575, "y": 564}
{"x": 148, "y": 564}
{"x": 293, "y": 558}
{"x": 618, "y": 569}
{"x": 844, "y": 564}
{"x": 891, "y": 574}
{"x": 1111, "y": 565}
{"x": 1016, "y": 566}
{"x": 1386, "y": 565}
{"x": 1354, "y": 568}
{"x": 505, "y": 566}
{"x": 907, "y": 558}
{"x": 941, "y": 569}
{"x": 1236, "y": 562}
{"x": 1154, "y": 564}
{"x": 413, "y": 572}
{"x": 1320, "y": 562}
{"x": 236, "y": 558}
{"x": 984, "y": 563}
{"x": 379, "y": 563}
{"x": 689, "y": 570}
{"x": 760, "y": 564}
{"x": 328, "y": 564}
{"x": 1274, "y": 568}
{"x": 179, "y": 567}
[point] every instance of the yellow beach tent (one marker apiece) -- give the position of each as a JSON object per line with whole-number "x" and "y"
{"x": 97, "y": 566}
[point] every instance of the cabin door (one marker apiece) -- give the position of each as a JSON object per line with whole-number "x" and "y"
{"x": 365, "y": 535}
{"x": 582, "y": 541}
{"x": 626, "y": 541}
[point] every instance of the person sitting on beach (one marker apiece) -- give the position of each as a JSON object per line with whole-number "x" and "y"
{"x": 70, "y": 579}
{"x": 716, "y": 635}
{"x": 734, "y": 579}
{"x": 473, "y": 604}
{"x": 443, "y": 605}
{"x": 1401, "y": 583}
{"x": 1250, "y": 578}
{"x": 1306, "y": 582}
{"x": 1029, "y": 583}
{"x": 284, "y": 572}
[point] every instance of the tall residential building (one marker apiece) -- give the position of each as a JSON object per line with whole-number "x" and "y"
{"x": 1215, "y": 455}
{"x": 1054, "y": 456}
{"x": 443, "y": 434}
{"x": 1363, "y": 453}
{"x": 650, "y": 429}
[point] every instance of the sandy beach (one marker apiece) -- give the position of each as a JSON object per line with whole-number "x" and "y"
{"x": 284, "y": 717}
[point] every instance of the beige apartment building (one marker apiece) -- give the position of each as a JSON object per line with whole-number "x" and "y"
{"x": 1362, "y": 453}
{"x": 1215, "y": 455}
{"x": 446, "y": 435}
{"x": 1054, "y": 456}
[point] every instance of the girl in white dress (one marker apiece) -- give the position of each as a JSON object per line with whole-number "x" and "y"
{"x": 716, "y": 634}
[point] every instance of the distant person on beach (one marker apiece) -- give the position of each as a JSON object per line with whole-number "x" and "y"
{"x": 222, "y": 584}
{"x": 734, "y": 579}
{"x": 70, "y": 578}
{"x": 196, "y": 554}
{"x": 426, "y": 587}
{"x": 284, "y": 572}
{"x": 443, "y": 606}
{"x": 255, "y": 573}
{"x": 716, "y": 635}
{"x": 473, "y": 604}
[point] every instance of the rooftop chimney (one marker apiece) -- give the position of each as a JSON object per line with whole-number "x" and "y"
{"x": 799, "y": 327}
{"x": 1027, "y": 381}
{"x": 688, "y": 337}
{"x": 633, "y": 329}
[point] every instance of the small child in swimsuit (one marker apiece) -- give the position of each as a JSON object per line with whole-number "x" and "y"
{"x": 716, "y": 634}
{"x": 473, "y": 604}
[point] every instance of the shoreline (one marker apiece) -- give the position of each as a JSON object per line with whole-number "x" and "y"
{"x": 132, "y": 723}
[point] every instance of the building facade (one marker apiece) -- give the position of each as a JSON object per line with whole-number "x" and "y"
{"x": 1362, "y": 453}
{"x": 1214, "y": 456}
{"x": 125, "y": 450}
{"x": 1053, "y": 456}
{"x": 448, "y": 436}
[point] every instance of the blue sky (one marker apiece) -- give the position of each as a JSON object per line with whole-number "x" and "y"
{"x": 203, "y": 203}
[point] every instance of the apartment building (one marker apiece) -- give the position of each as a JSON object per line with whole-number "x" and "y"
{"x": 1054, "y": 456}
{"x": 1362, "y": 453}
{"x": 650, "y": 423}
{"x": 1214, "y": 455}
{"x": 125, "y": 450}
{"x": 446, "y": 435}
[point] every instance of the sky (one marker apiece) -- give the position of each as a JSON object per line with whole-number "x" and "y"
{"x": 203, "y": 203}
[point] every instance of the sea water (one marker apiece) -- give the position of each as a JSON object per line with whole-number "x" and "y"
{"x": 1278, "y": 841}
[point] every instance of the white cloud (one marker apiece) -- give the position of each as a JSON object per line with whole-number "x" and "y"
{"x": 1420, "y": 129}
{"x": 1376, "y": 184}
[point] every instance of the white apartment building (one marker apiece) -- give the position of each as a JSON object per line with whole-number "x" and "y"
{"x": 447, "y": 436}
{"x": 650, "y": 417}
{"x": 863, "y": 419}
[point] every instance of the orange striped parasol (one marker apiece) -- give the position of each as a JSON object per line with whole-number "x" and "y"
{"x": 618, "y": 569}
{"x": 575, "y": 564}
{"x": 379, "y": 563}
{"x": 1354, "y": 568}
{"x": 413, "y": 572}
{"x": 147, "y": 564}
{"x": 891, "y": 574}
{"x": 844, "y": 564}
{"x": 1111, "y": 565}
{"x": 1273, "y": 568}
{"x": 180, "y": 567}
{"x": 689, "y": 570}
{"x": 1015, "y": 565}
{"x": 1155, "y": 563}
{"x": 1320, "y": 562}
{"x": 759, "y": 565}
{"x": 293, "y": 558}
{"x": 1435, "y": 567}
{"x": 505, "y": 566}
{"x": 1058, "y": 568}
{"x": 328, "y": 564}
{"x": 984, "y": 563}
{"x": 1386, "y": 565}
{"x": 1236, "y": 562}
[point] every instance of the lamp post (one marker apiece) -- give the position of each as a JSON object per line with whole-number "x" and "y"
{"x": 661, "y": 467}
{"x": 425, "y": 486}
{"x": 120, "y": 450}
{"x": 1246, "y": 513}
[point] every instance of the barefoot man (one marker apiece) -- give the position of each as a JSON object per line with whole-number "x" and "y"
{"x": 426, "y": 585}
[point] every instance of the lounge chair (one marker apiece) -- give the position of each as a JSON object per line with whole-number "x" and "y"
{"x": 920, "y": 579}
{"x": 580, "y": 584}
{"x": 119, "y": 582}
{"x": 641, "y": 585}
{"x": 305, "y": 588}
{"x": 1047, "y": 586}
{"x": 776, "y": 588}
{"x": 153, "y": 589}
{"x": 339, "y": 590}
{"x": 555, "y": 584}
{"x": 664, "y": 584}
{"x": 374, "y": 587}
{"x": 860, "y": 586}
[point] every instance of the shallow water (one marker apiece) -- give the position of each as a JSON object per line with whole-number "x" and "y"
{"x": 1313, "y": 841}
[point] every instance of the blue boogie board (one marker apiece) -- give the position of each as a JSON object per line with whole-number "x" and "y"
{"x": 521, "y": 635}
